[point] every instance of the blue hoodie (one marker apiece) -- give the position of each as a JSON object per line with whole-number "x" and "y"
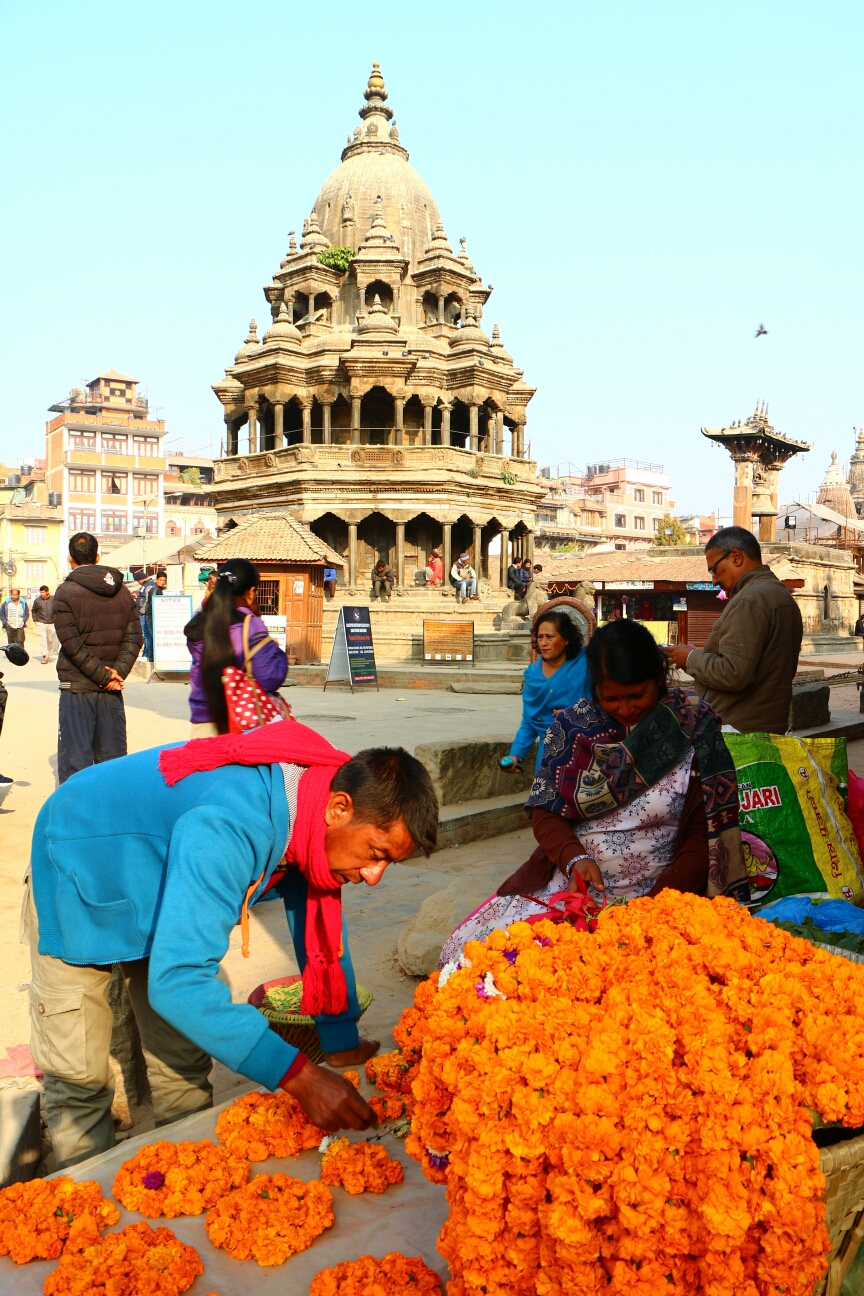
{"x": 125, "y": 867}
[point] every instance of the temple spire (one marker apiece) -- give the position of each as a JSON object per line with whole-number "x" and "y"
{"x": 376, "y": 95}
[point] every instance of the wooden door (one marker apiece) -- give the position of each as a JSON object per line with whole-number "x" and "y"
{"x": 295, "y": 597}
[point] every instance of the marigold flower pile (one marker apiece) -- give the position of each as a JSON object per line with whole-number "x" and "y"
{"x": 270, "y": 1218}
{"x": 627, "y": 1112}
{"x": 359, "y": 1167}
{"x": 392, "y": 1275}
{"x": 258, "y": 1126}
{"x": 43, "y": 1217}
{"x": 393, "y": 1074}
{"x": 178, "y": 1178}
{"x": 138, "y": 1261}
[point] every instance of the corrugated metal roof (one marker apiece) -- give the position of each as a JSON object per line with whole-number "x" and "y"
{"x": 272, "y": 537}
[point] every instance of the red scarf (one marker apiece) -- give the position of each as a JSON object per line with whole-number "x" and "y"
{"x": 288, "y": 741}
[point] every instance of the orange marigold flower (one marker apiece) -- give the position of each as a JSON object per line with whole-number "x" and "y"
{"x": 358, "y": 1167}
{"x": 41, "y": 1218}
{"x": 260, "y": 1125}
{"x": 138, "y": 1261}
{"x": 178, "y": 1178}
{"x": 393, "y": 1275}
{"x": 270, "y": 1218}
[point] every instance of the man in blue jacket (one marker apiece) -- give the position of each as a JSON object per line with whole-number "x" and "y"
{"x": 129, "y": 869}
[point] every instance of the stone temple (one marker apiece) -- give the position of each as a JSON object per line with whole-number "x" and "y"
{"x": 376, "y": 408}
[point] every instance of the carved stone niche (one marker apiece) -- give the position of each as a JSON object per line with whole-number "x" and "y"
{"x": 270, "y": 461}
{"x": 244, "y": 465}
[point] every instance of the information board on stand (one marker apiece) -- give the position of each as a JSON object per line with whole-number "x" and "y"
{"x": 277, "y": 629}
{"x": 448, "y": 643}
{"x": 352, "y": 657}
{"x": 171, "y": 613}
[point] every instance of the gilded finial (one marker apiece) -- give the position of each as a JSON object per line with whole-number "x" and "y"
{"x": 375, "y": 88}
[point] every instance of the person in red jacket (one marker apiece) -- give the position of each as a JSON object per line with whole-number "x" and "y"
{"x": 100, "y": 637}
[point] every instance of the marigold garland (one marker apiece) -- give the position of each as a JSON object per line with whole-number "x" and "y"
{"x": 359, "y": 1167}
{"x": 629, "y": 1111}
{"x": 138, "y": 1261}
{"x": 41, "y": 1218}
{"x": 173, "y": 1179}
{"x": 270, "y": 1218}
{"x": 394, "y": 1073}
{"x": 260, "y": 1125}
{"x": 393, "y": 1275}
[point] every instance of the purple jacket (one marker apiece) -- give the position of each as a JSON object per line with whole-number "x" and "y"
{"x": 269, "y": 665}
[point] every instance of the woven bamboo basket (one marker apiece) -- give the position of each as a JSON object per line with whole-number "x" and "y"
{"x": 295, "y": 1028}
{"x": 843, "y": 1167}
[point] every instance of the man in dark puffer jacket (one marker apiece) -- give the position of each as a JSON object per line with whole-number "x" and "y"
{"x": 100, "y": 637}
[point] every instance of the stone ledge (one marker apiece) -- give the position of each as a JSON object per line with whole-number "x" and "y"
{"x": 468, "y": 771}
{"x": 20, "y": 1135}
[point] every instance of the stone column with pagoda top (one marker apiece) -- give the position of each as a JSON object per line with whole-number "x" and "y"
{"x": 758, "y": 453}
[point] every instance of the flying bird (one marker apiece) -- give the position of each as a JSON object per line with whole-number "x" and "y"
{"x": 760, "y": 331}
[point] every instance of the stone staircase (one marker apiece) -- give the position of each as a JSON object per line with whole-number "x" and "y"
{"x": 397, "y": 626}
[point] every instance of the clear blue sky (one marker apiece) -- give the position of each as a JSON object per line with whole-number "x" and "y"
{"x": 642, "y": 182}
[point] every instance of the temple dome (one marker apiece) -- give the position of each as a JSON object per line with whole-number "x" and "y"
{"x": 375, "y": 162}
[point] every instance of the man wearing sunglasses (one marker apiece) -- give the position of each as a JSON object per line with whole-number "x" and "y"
{"x": 746, "y": 668}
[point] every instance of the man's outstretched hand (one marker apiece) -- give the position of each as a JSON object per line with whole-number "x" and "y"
{"x": 330, "y": 1102}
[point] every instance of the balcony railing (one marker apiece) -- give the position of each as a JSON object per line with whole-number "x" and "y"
{"x": 411, "y": 438}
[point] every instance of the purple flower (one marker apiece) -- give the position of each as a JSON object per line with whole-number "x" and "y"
{"x": 154, "y": 1179}
{"x": 438, "y": 1160}
{"x": 542, "y": 940}
{"x": 482, "y": 992}
{"x": 511, "y": 956}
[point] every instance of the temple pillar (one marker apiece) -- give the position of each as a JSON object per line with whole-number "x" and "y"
{"x": 478, "y": 550}
{"x": 427, "y": 424}
{"x": 529, "y": 547}
{"x": 499, "y": 432}
{"x": 490, "y": 434}
{"x": 307, "y": 424}
{"x": 398, "y": 416}
{"x": 230, "y": 437}
{"x": 445, "y": 425}
{"x": 505, "y": 557}
{"x": 400, "y": 554}
{"x": 355, "y": 420}
{"x": 352, "y": 555}
{"x": 278, "y": 420}
{"x": 473, "y": 420}
{"x": 446, "y": 554}
{"x": 253, "y": 429}
{"x": 440, "y": 309}
{"x": 326, "y": 433}
{"x": 742, "y": 495}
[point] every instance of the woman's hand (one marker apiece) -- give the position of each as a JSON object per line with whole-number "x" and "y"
{"x": 589, "y": 871}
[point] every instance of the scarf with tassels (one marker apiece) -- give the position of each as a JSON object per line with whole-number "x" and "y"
{"x": 289, "y": 742}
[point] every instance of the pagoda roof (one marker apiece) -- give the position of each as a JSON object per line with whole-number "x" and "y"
{"x": 271, "y": 537}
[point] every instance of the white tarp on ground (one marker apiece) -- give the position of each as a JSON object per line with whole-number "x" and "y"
{"x": 406, "y": 1217}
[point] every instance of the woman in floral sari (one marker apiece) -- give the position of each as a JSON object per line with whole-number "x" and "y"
{"x": 636, "y": 792}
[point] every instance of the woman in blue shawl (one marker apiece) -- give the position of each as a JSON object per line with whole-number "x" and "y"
{"x": 557, "y": 679}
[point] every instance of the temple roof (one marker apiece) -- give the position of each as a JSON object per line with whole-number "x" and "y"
{"x": 271, "y": 537}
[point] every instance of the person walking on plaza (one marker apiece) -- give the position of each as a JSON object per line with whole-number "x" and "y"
{"x": 746, "y": 668}
{"x": 215, "y": 638}
{"x": 100, "y": 637}
{"x": 43, "y": 619}
{"x": 152, "y": 588}
{"x": 171, "y": 864}
{"x": 464, "y": 577}
{"x": 14, "y": 615}
{"x": 383, "y": 580}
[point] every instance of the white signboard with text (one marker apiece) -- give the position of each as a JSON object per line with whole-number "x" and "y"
{"x": 171, "y": 613}
{"x": 277, "y": 627}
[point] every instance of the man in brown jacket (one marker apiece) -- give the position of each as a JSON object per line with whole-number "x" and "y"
{"x": 100, "y": 637}
{"x": 746, "y": 668}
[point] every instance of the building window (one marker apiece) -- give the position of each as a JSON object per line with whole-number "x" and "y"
{"x": 78, "y": 442}
{"x": 639, "y": 523}
{"x": 656, "y": 497}
{"x": 146, "y": 522}
{"x": 639, "y": 495}
{"x": 268, "y": 597}
{"x": 115, "y": 444}
{"x": 82, "y": 520}
{"x": 35, "y": 571}
{"x": 172, "y": 530}
{"x": 114, "y": 523}
{"x": 620, "y": 519}
{"x": 115, "y": 483}
{"x": 145, "y": 445}
{"x": 655, "y": 524}
{"x": 34, "y": 535}
{"x": 620, "y": 546}
{"x": 200, "y": 529}
{"x": 142, "y": 485}
{"x": 83, "y": 482}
